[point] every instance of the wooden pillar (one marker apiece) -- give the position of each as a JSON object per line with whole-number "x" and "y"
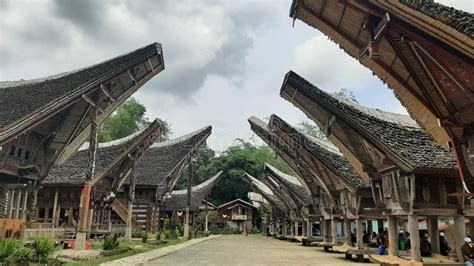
{"x": 459, "y": 235}
{"x": 333, "y": 231}
{"x": 369, "y": 227}
{"x": 188, "y": 201}
{"x": 131, "y": 198}
{"x": 347, "y": 232}
{"x": 70, "y": 216}
{"x": 304, "y": 227}
{"x": 55, "y": 206}
{"x": 296, "y": 231}
{"x": 24, "y": 208}
{"x": 359, "y": 233}
{"x": 380, "y": 226}
{"x": 17, "y": 205}
{"x": 414, "y": 237}
{"x": 12, "y": 201}
{"x": 432, "y": 226}
{"x": 82, "y": 225}
{"x": 392, "y": 235}
{"x": 309, "y": 229}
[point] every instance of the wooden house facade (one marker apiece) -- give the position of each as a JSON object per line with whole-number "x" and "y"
{"x": 423, "y": 50}
{"x": 59, "y": 199}
{"x": 411, "y": 175}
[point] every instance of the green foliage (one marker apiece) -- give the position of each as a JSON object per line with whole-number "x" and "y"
{"x": 254, "y": 230}
{"x": 191, "y": 233}
{"x": 43, "y": 250}
{"x": 128, "y": 119}
{"x": 242, "y": 157}
{"x": 347, "y": 95}
{"x": 167, "y": 234}
{"x": 8, "y": 248}
{"x": 145, "y": 237}
{"x": 203, "y": 157}
{"x": 12, "y": 251}
{"x": 207, "y": 233}
{"x": 110, "y": 242}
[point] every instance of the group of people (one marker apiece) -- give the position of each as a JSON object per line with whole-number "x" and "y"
{"x": 467, "y": 251}
{"x": 380, "y": 241}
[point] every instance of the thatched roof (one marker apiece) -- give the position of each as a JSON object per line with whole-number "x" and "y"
{"x": 177, "y": 200}
{"x": 292, "y": 183}
{"x": 324, "y": 151}
{"x": 266, "y": 192}
{"x": 403, "y": 143}
{"x": 164, "y": 161}
{"x": 109, "y": 155}
{"x": 27, "y": 101}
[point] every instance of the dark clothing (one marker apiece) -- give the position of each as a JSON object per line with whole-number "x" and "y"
{"x": 425, "y": 248}
{"x": 443, "y": 246}
{"x": 466, "y": 251}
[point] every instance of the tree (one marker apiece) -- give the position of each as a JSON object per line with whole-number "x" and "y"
{"x": 347, "y": 95}
{"x": 237, "y": 159}
{"x": 128, "y": 119}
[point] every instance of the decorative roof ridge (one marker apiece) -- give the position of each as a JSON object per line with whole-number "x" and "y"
{"x": 21, "y": 82}
{"x": 200, "y": 186}
{"x": 180, "y": 139}
{"x": 260, "y": 184}
{"x": 284, "y": 176}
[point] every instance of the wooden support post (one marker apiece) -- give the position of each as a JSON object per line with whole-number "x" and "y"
{"x": 82, "y": 226}
{"x": 333, "y": 231}
{"x": 432, "y": 225}
{"x": 12, "y": 200}
{"x": 369, "y": 227}
{"x": 17, "y": 205}
{"x": 392, "y": 235}
{"x": 55, "y": 206}
{"x": 188, "y": 202}
{"x": 347, "y": 232}
{"x": 70, "y": 216}
{"x": 414, "y": 237}
{"x": 359, "y": 233}
{"x": 380, "y": 225}
{"x": 131, "y": 198}
{"x": 309, "y": 229}
{"x": 46, "y": 215}
{"x": 24, "y": 210}
{"x": 459, "y": 235}
{"x": 296, "y": 229}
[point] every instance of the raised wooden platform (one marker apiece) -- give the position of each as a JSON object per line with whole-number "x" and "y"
{"x": 312, "y": 241}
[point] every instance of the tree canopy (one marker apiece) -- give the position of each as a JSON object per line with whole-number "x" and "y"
{"x": 241, "y": 157}
{"x": 128, "y": 119}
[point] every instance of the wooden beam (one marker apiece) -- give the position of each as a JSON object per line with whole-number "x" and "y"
{"x": 375, "y": 34}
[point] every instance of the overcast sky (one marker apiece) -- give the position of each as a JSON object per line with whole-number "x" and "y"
{"x": 225, "y": 60}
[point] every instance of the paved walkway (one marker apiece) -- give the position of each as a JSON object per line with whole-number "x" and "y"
{"x": 231, "y": 250}
{"x": 142, "y": 258}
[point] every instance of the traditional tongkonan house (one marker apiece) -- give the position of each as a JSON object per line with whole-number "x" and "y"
{"x": 293, "y": 189}
{"x": 265, "y": 210}
{"x": 411, "y": 175}
{"x": 44, "y": 121}
{"x": 324, "y": 201}
{"x": 355, "y": 195}
{"x": 178, "y": 200}
{"x": 59, "y": 198}
{"x": 284, "y": 195}
{"x": 280, "y": 225}
{"x": 423, "y": 50}
{"x": 157, "y": 173}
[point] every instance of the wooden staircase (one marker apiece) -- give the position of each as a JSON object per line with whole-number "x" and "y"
{"x": 121, "y": 210}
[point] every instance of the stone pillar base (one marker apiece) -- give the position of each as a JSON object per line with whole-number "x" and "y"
{"x": 81, "y": 239}
{"x": 128, "y": 233}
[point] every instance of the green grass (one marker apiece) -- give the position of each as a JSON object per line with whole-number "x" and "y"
{"x": 140, "y": 248}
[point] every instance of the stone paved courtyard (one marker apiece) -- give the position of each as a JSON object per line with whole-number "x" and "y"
{"x": 252, "y": 250}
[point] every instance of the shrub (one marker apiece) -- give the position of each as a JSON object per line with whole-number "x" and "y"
{"x": 207, "y": 233}
{"x": 8, "y": 248}
{"x": 43, "y": 248}
{"x": 110, "y": 242}
{"x": 191, "y": 233}
{"x": 254, "y": 230}
{"x": 145, "y": 237}
{"x": 159, "y": 235}
{"x": 167, "y": 234}
{"x": 23, "y": 254}
{"x": 177, "y": 233}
